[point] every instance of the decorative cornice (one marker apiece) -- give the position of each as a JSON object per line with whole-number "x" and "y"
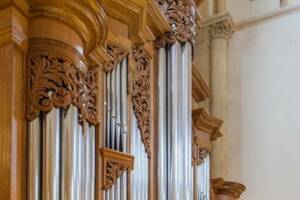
{"x": 141, "y": 94}
{"x": 87, "y": 18}
{"x": 232, "y": 189}
{"x": 181, "y": 17}
{"x": 200, "y": 89}
{"x": 58, "y": 77}
{"x": 207, "y": 123}
{"x": 220, "y": 26}
{"x": 115, "y": 164}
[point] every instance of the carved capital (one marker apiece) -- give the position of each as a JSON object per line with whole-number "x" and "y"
{"x": 141, "y": 94}
{"x": 58, "y": 77}
{"x": 221, "y": 29}
{"x": 207, "y": 123}
{"x": 181, "y": 17}
{"x": 232, "y": 189}
{"x": 115, "y": 164}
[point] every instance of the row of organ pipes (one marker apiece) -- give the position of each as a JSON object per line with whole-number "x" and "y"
{"x": 117, "y": 123}
{"x": 117, "y": 134}
{"x": 61, "y": 162}
{"x": 175, "y": 171}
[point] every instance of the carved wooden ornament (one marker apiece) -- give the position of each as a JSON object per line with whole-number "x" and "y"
{"x": 117, "y": 54}
{"x": 115, "y": 164}
{"x": 200, "y": 151}
{"x": 207, "y": 123}
{"x": 141, "y": 95}
{"x": 58, "y": 78}
{"x": 181, "y": 17}
{"x": 232, "y": 189}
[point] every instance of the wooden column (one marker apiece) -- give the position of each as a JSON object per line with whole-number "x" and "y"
{"x": 13, "y": 47}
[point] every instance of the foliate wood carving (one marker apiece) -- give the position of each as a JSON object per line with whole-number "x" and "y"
{"x": 115, "y": 164}
{"x": 58, "y": 77}
{"x": 181, "y": 17}
{"x": 221, "y": 29}
{"x": 117, "y": 54}
{"x": 141, "y": 94}
{"x": 232, "y": 189}
{"x": 207, "y": 123}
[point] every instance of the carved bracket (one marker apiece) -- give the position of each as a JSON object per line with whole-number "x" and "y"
{"x": 181, "y": 17}
{"x": 58, "y": 77}
{"x": 141, "y": 94}
{"x": 207, "y": 123}
{"x": 200, "y": 150}
{"x": 115, "y": 163}
{"x": 117, "y": 55}
{"x": 232, "y": 189}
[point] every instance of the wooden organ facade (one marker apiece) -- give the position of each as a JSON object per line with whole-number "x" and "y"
{"x": 98, "y": 96}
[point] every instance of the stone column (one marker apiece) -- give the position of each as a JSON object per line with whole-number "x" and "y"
{"x": 220, "y": 29}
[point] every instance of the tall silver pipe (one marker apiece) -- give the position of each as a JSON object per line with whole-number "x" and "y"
{"x": 51, "y": 155}
{"x": 69, "y": 153}
{"x": 80, "y": 165}
{"x": 34, "y": 162}
{"x": 118, "y": 123}
{"x": 174, "y": 187}
{"x": 87, "y": 162}
{"x": 187, "y": 62}
{"x": 162, "y": 126}
{"x": 108, "y": 109}
{"x": 93, "y": 163}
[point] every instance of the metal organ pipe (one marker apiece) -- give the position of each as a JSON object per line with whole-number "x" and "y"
{"x": 51, "y": 155}
{"x": 34, "y": 163}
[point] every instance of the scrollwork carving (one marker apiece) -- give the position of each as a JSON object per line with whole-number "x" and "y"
{"x": 115, "y": 164}
{"x": 58, "y": 81}
{"x": 181, "y": 17}
{"x": 141, "y": 95}
{"x": 117, "y": 54}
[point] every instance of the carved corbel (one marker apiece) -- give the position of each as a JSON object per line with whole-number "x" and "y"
{"x": 201, "y": 150}
{"x": 117, "y": 48}
{"x": 140, "y": 59}
{"x": 227, "y": 188}
{"x": 207, "y": 123}
{"x": 181, "y": 16}
{"x": 59, "y": 77}
{"x": 115, "y": 164}
{"x": 219, "y": 26}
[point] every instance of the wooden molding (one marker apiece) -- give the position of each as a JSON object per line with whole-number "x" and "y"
{"x": 200, "y": 89}
{"x": 115, "y": 163}
{"x": 58, "y": 77}
{"x": 141, "y": 94}
{"x": 88, "y": 19}
{"x": 232, "y": 189}
{"x": 207, "y": 123}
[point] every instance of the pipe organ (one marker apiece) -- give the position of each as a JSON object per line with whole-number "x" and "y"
{"x": 109, "y": 113}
